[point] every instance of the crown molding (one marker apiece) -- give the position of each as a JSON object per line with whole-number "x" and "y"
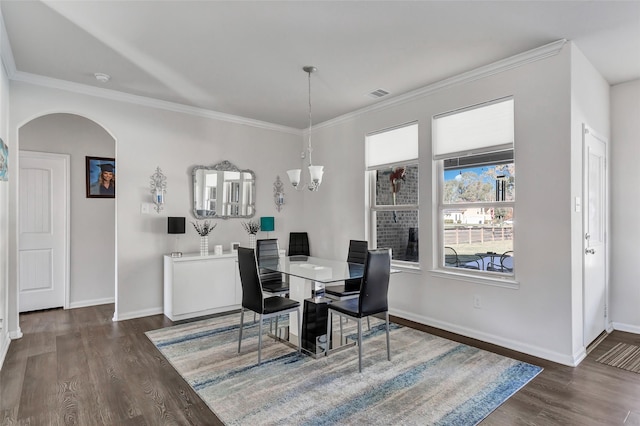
{"x": 118, "y": 96}
{"x": 500, "y": 66}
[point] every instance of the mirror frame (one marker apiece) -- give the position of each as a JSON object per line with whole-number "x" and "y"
{"x": 223, "y": 166}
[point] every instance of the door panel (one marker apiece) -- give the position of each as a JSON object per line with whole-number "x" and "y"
{"x": 595, "y": 247}
{"x": 43, "y": 248}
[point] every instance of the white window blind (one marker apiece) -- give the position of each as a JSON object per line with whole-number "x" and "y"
{"x": 474, "y": 130}
{"x": 392, "y": 146}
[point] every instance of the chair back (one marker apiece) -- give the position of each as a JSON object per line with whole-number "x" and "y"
{"x": 451, "y": 257}
{"x": 412, "y": 245}
{"x": 357, "y": 251}
{"x": 506, "y": 261}
{"x": 268, "y": 250}
{"x": 375, "y": 283}
{"x": 357, "y": 254}
{"x": 299, "y": 244}
{"x": 251, "y": 286}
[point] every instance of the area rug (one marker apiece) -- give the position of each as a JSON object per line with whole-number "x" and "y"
{"x": 623, "y": 356}
{"x": 429, "y": 381}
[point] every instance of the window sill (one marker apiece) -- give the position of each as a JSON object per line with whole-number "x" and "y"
{"x": 507, "y": 282}
{"x": 406, "y": 267}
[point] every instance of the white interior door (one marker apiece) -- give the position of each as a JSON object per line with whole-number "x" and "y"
{"x": 595, "y": 245}
{"x": 44, "y": 227}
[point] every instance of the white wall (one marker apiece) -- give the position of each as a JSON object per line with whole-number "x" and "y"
{"x": 625, "y": 206}
{"x": 93, "y": 229}
{"x": 534, "y": 318}
{"x": 149, "y": 137}
{"x": 590, "y": 106}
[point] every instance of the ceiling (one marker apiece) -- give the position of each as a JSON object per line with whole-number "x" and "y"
{"x": 245, "y": 58}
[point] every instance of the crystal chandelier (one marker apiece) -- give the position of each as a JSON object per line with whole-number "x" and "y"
{"x": 315, "y": 172}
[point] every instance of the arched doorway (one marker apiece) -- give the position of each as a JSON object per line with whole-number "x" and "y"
{"x": 91, "y": 234}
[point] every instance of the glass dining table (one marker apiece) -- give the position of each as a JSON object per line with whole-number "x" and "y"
{"x": 307, "y": 277}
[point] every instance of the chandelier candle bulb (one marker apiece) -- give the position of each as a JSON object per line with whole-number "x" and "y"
{"x": 316, "y": 173}
{"x": 294, "y": 177}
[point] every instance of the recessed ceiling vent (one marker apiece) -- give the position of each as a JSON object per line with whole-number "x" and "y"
{"x": 378, "y": 93}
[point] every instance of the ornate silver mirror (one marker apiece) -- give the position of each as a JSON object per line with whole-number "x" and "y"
{"x": 223, "y": 191}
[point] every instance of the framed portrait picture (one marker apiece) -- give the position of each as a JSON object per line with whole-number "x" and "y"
{"x": 101, "y": 177}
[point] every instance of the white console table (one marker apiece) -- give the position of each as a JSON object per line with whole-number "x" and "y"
{"x": 197, "y": 285}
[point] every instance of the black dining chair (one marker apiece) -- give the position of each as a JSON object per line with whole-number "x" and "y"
{"x": 267, "y": 251}
{"x": 411, "y": 254}
{"x": 298, "y": 244}
{"x": 253, "y": 298}
{"x": 373, "y": 298}
{"x": 351, "y": 288}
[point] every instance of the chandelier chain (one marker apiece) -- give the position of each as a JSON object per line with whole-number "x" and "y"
{"x": 310, "y": 122}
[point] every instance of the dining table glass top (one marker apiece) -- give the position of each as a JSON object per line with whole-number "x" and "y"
{"x": 314, "y": 268}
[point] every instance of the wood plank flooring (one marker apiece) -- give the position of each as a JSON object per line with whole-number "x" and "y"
{"x": 77, "y": 367}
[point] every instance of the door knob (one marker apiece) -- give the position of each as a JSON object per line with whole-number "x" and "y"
{"x": 590, "y": 251}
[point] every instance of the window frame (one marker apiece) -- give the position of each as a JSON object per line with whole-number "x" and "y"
{"x": 438, "y": 162}
{"x": 372, "y": 208}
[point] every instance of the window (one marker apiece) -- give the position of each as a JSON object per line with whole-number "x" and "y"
{"x": 473, "y": 151}
{"x": 392, "y": 168}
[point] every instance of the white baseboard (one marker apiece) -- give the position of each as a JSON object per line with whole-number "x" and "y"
{"x": 626, "y": 327}
{"x": 94, "y": 302}
{"x": 137, "y": 314}
{"x": 15, "y": 334}
{"x": 570, "y": 360}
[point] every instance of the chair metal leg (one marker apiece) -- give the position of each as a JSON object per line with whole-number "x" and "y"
{"x": 386, "y": 314}
{"x": 260, "y": 341}
{"x": 360, "y": 345}
{"x": 329, "y": 321}
{"x": 340, "y": 316}
{"x": 368, "y": 324}
{"x": 299, "y": 330}
{"x": 241, "y": 323}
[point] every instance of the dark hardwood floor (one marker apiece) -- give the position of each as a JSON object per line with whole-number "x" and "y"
{"x": 79, "y": 367}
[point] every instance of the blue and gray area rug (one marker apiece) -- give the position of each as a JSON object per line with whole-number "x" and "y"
{"x": 429, "y": 381}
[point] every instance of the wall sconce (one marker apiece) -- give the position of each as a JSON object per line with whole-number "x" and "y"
{"x": 267, "y": 224}
{"x": 278, "y": 193}
{"x": 175, "y": 225}
{"x": 158, "y": 188}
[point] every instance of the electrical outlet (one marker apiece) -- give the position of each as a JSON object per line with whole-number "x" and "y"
{"x": 476, "y": 302}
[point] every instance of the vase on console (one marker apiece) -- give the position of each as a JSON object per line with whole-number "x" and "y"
{"x": 204, "y": 229}
{"x": 204, "y": 245}
{"x": 252, "y": 227}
